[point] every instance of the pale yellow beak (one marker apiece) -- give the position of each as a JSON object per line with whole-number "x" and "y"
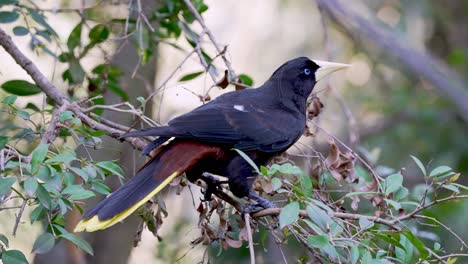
{"x": 327, "y": 67}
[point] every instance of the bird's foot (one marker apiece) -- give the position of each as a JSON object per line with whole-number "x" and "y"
{"x": 261, "y": 204}
{"x": 212, "y": 183}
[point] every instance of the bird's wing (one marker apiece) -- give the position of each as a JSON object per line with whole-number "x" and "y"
{"x": 243, "y": 125}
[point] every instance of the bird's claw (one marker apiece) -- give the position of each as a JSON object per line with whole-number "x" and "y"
{"x": 261, "y": 204}
{"x": 212, "y": 183}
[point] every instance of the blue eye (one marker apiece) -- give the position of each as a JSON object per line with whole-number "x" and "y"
{"x": 307, "y": 71}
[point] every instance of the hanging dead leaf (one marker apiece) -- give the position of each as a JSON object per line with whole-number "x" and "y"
{"x": 224, "y": 82}
{"x": 314, "y": 107}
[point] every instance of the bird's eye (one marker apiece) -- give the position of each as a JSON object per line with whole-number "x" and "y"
{"x": 307, "y": 71}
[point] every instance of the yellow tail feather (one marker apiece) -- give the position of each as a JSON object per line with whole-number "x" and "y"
{"x": 93, "y": 223}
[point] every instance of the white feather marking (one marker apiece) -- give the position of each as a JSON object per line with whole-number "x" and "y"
{"x": 240, "y": 108}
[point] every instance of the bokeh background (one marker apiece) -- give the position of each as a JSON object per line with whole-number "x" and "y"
{"x": 386, "y": 105}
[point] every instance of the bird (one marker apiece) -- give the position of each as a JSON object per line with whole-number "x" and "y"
{"x": 260, "y": 122}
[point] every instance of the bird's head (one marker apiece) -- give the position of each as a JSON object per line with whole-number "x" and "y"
{"x": 301, "y": 74}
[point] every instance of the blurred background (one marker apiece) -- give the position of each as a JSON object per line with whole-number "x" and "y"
{"x": 404, "y": 95}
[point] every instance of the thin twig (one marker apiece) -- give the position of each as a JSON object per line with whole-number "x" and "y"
{"x": 200, "y": 20}
{"x": 18, "y": 217}
{"x": 249, "y": 233}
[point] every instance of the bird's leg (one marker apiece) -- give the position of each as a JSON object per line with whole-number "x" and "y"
{"x": 261, "y": 204}
{"x": 211, "y": 184}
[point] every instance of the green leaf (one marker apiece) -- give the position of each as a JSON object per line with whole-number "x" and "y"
{"x": 190, "y": 76}
{"x": 101, "y": 187}
{"x": 13, "y": 257}
{"x": 321, "y": 242}
{"x": 245, "y": 79}
{"x": 99, "y": 33}
{"x": 276, "y": 184}
{"x": 5, "y": 185}
{"x": 75, "y": 240}
{"x": 441, "y": 171}
{"x": 8, "y": 2}
{"x": 65, "y": 115}
{"x": 80, "y": 173}
{"x": 4, "y": 240}
{"x": 306, "y": 185}
{"x": 405, "y": 254}
{"x": 367, "y": 257}
{"x": 365, "y": 223}
{"x": 75, "y": 72}
{"x": 286, "y": 168}
{"x": 21, "y": 87}
{"x": 39, "y": 18}
{"x": 318, "y": 241}
{"x": 289, "y": 214}
{"x": 38, "y": 156}
{"x": 84, "y": 194}
{"x": 8, "y": 16}
{"x": 451, "y": 187}
{"x": 319, "y": 216}
{"x": 23, "y": 114}
{"x": 420, "y": 164}
{"x": 43, "y": 244}
{"x": 3, "y": 141}
{"x": 418, "y": 244}
{"x": 248, "y": 159}
{"x": 62, "y": 158}
{"x": 396, "y": 205}
{"x": 393, "y": 183}
{"x": 20, "y": 31}
{"x": 30, "y": 186}
{"x": 9, "y": 100}
{"x": 43, "y": 196}
{"x": 390, "y": 240}
{"x": 111, "y": 167}
{"x": 354, "y": 254}
{"x": 74, "y": 39}
{"x": 37, "y": 213}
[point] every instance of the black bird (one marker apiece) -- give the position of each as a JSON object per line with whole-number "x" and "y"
{"x": 261, "y": 122}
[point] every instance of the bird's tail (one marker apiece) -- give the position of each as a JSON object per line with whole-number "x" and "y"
{"x": 150, "y": 179}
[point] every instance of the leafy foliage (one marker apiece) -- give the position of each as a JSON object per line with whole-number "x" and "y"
{"x": 51, "y": 180}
